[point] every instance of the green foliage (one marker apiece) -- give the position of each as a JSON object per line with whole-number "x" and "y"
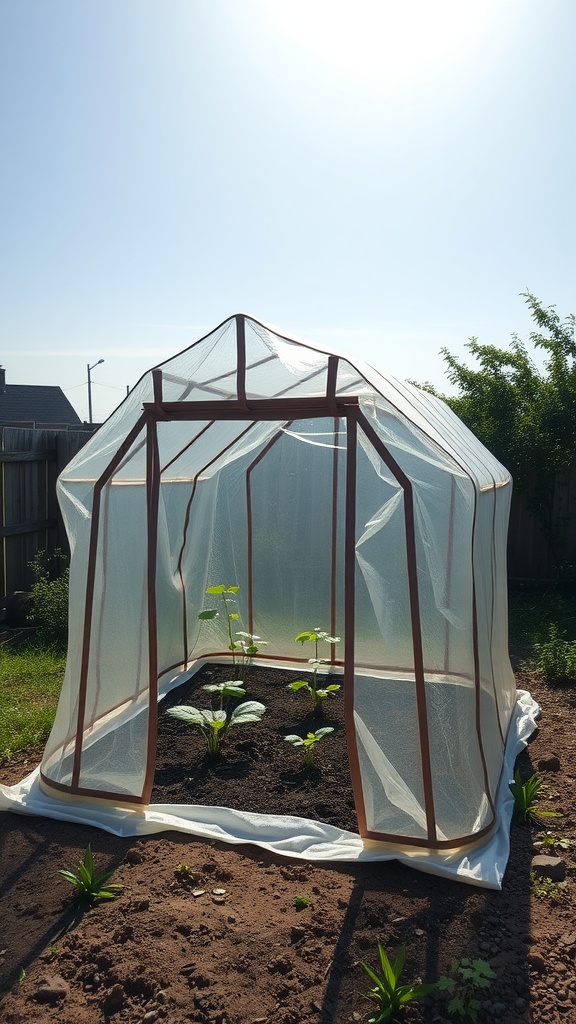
{"x": 30, "y": 684}
{"x": 215, "y": 724}
{"x": 317, "y": 693}
{"x": 555, "y": 658}
{"x": 50, "y": 599}
{"x": 545, "y": 889}
{"x": 302, "y": 901}
{"x": 307, "y": 745}
{"x": 525, "y": 800}
{"x": 467, "y": 979}
{"x": 248, "y": 644}
{"x": 524, "y": 415}
{"x": 91, "y": 886}
{"x": 388, "y": 994}
{"x": 552, "y": 843}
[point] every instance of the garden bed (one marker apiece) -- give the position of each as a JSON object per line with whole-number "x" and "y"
{"x": 257, "y": 770}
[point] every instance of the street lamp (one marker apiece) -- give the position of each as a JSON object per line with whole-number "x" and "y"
{"x": 90, "y": 388}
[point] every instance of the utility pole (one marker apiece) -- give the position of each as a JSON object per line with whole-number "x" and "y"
{"x": 90, "y": 388}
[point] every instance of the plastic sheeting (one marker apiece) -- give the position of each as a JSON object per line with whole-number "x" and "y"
{"x": 482, "y": 865}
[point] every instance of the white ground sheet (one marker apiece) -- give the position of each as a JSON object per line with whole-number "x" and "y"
{"x": 482, "y": 865}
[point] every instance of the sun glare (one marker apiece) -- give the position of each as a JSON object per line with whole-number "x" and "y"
{"x": 384, "y": 41}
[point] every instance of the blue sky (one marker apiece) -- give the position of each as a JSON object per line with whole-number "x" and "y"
{"x": 384, "y": 176}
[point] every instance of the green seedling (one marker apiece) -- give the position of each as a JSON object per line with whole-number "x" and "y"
{"x": 301, "y": 902}
{"x": 216, "y": 724}
{"x": 249, "y": 644}
{"x": 21, "y": 976}
{"x": 552, "y": 842}
{"x": 316, "y": 692}
{"x": 545, "y": 889}
{"x": 89, "y": 885}
{"x": 525, "y": 800}
{"x": 467, "y": 979}
{"x": 183, "y": 871}
{"x": 388, "y": 994}
{"x": 307, "y": 745}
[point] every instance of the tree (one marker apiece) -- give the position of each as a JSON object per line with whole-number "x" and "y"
{"x": 525, "y": 416}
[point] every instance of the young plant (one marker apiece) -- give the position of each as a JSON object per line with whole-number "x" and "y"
{"x": 525, "y": 800}
{"x": 556, "y": 657}
{"x": 552, "y": 842}
{"x": 465, "y": 982}
{"x": 388, "y": 994}
{"x": 545, "y": 888}
{"x": 302, "y": 901}
{"x": 216, "y": 724}
{"x": 244, "y": 649}
{"x": 248, "y": 644}
{"x": 307, "y": 745}
{"x": 316, "y": 692}
{"x": 89, "y": 885}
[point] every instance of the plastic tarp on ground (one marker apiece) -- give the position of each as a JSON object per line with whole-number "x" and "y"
{"x": 301, "y": 838}
{"x": 332, "y": 497}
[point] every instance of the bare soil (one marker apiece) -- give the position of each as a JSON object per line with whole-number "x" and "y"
{"x": 225, "y": 942}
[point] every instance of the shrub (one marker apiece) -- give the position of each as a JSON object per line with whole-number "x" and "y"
{"x": 556, "y": 657}
{"x": 50, "y": 600}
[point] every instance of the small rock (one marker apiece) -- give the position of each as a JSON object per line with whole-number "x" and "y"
{"x": 133, "y": 857}
{"x": 151, "y": 1017}
{"x": 537, "y": 963}
{"x": 198, "y": 892}
{"x": 114, "y": 999}
{"x": 553, "y": 868}
{"x": 52, "y": 988}
{"x": 161, "y": 996}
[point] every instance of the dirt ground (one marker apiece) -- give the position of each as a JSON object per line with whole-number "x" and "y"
{"x": 230, "y": 941}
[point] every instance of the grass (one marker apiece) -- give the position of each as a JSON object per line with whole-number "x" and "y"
{"x": 30, "y": 683}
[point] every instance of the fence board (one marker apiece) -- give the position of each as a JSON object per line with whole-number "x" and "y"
{"x": 30, "y": 520}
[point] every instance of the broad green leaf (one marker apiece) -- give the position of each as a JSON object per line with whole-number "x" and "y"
{"x": 216, "y": 590}
{"x": 298, "y": 684}
{"x": 302, "y": 638}
{"x": 233, "y": 615}
{"x": 324, "y": 731}
{"x": 232, "y": 590}
{"x": 210, "y": 613}
{"x": 186, "y": 714}
{"x": 250, "y": 711}
{"x": 296, "y": 741}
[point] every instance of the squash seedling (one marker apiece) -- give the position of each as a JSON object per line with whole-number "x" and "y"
{"x": 248, "y": 644}
{"x": 525, "y": 800}
{"x": 216, "y": 724}
{"x": 388, "y": 994}
{"x": 307, "y": 745}
{"x": 89, "y": 885}
{"x": 316, "y": 692}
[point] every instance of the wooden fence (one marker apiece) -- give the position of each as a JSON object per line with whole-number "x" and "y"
{"x": 30, "y": 520}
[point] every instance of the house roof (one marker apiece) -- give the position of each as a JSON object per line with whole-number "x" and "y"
{"x": 36, "y": 405}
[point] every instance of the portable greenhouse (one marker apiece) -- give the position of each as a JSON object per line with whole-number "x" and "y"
{"x": 328, "y": 493}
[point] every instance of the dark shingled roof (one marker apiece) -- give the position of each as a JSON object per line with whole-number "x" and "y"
{"x": 36, "y": 404}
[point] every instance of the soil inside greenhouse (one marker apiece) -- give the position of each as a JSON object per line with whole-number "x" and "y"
{"x": 217, "y": 934}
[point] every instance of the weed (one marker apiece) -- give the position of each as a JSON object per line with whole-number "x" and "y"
{"x": 525, "y": 800}
{"x": 307, "y": 745}
{"x": 216, "y": 724}
{"x": 388, "y": 994}
{"x": 551, "y": 842}
{"x": 302, "y": 901}
{"x": 183, "y": 871}
{"x": 467, "y": 979}
{"x": 21, "y": 976}
{"x": 545, "y": 889}
{"x": 248, "y": 644}
{"x": 317, "y": 693}
{"x": 89, "y": 885}
{"x": 556, "y": 657}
